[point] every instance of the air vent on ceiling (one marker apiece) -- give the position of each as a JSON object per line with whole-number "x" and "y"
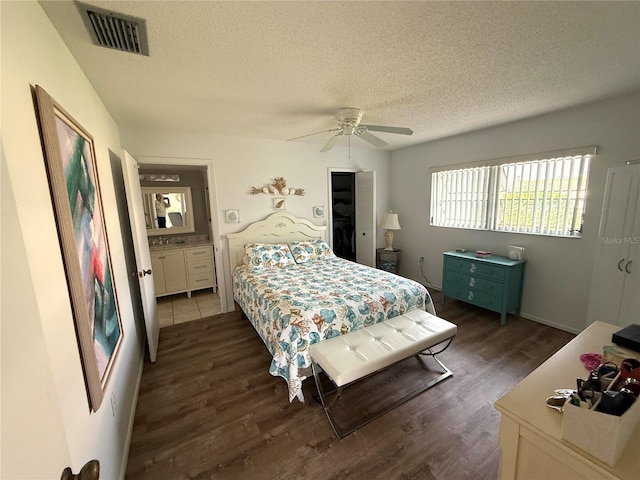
{"x": 115, "y": 30}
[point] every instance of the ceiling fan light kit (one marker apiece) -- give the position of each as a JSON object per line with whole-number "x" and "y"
{"x": 348, "y": 120}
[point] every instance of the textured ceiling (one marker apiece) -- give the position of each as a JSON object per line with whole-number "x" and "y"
{"x": 278, "y": 70}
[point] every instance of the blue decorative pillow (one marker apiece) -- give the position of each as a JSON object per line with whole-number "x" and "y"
{"x": 310, "y": 250}
{"x": 267, "y": 255}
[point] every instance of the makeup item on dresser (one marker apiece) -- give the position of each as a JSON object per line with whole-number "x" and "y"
{"x": 630, "y": 368}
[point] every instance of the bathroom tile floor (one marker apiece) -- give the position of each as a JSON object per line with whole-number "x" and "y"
{"x": 179, "y": 308}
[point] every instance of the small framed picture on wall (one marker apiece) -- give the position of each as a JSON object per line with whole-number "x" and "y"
{"x": 232, "y": 216}
{"x": 278, "y": 203}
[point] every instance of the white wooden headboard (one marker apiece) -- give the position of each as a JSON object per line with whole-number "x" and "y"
{"x": 279, "y": 227}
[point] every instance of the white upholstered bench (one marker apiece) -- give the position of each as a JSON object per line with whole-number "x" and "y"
{"x": 348, "y": 358}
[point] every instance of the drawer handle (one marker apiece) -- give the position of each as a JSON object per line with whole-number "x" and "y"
{"x": 473, "y": 267}
{"x": 201, "y": 266}
{"x": 472, "y": 282}
{"x": 470, "y": 296}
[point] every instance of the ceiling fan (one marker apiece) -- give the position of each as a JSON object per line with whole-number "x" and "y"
{"x": 348, "y": 120}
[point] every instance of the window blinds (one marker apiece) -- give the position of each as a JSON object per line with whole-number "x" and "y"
{"x": 543, "y": 195}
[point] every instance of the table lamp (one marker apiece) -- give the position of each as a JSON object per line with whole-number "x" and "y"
{"x": 390, "y": 223}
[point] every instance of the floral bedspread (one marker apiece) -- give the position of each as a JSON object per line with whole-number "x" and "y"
{"x": 293, "y": 306}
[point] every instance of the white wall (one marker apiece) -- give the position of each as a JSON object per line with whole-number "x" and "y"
{"x": 46, "y": 422}
{"x": 240, "y": 163}
{"x": 558, "y": 271}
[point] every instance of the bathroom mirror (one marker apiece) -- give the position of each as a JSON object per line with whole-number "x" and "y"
{"x": 168, "y": 210}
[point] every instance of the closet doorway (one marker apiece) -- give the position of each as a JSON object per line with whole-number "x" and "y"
{"x": 352, "y": 215}
{"x": 343, "y": 214}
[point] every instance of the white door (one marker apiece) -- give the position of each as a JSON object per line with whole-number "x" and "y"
{"x": 614, "y": 288}
{"x": 630, "y": 304}
{"x": 366, "y": 218}
{"x": 143, "y": 257}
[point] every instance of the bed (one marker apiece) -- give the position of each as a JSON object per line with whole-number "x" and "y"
{"x": 296, "y": 292}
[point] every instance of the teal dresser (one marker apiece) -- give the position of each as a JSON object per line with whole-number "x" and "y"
{"x": 494, "y": 283}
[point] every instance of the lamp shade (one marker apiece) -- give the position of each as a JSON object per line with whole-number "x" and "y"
{"x": 390, "y": 221}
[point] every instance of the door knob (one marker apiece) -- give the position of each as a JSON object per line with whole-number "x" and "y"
{"x": 90, "y": 471}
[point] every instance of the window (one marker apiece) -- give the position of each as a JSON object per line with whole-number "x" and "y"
{"x": 542, "y": 194}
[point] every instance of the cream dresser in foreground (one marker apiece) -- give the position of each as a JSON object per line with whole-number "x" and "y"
{"x": 530, "y": 439}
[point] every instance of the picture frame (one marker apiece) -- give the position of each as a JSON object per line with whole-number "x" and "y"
{"x": 279, "y": 203}
{"x": 70, "y": 160}
{"x": 232, "y": 216}
{"x": 318, "y": 212}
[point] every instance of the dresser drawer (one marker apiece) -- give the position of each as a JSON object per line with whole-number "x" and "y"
{"x": 477, "y": 284}
{"x": 474, "y": 297}
{"x": 195, "y": 267}
{"x": 198, "y": 252}
{"x": 479, "y": 269}
{"x": 494, "y": 283}
{"x": 201, "y": 280}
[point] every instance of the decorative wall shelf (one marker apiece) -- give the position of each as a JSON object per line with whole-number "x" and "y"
{"x": 277, "y": 187}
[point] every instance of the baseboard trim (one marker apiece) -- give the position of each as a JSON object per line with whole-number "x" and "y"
{"x": 549, "y": 323}
{"x": 528, "y": 316}
{"x": 127, "y": 445}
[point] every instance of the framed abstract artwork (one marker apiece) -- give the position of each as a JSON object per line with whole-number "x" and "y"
{"x": 77, "y": 204}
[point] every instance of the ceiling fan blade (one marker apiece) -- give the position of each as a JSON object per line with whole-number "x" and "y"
{"x": 384, "y": 128}
{"x": 309, "y": 134}
{"x": 372, "y": 139}
{"x": 332, "y": 141}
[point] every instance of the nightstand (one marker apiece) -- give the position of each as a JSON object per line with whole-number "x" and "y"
{"x": 388, "y": 260}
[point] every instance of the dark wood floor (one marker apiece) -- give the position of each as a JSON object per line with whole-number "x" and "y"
{"x": 209, "y": 409}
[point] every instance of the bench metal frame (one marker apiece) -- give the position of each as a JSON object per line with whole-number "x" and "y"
{"x": 323, "y": 395}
